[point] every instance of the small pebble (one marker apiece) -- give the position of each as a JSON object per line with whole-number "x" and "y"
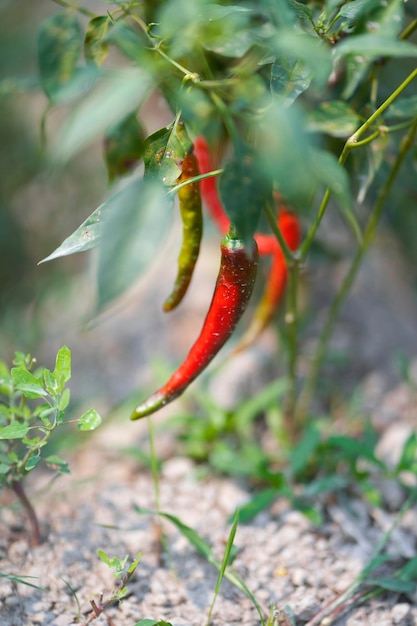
{"x": 400, "y": 613}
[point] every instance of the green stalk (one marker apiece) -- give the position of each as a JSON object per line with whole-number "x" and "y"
{"x": 75, "y": 7}
{"x": 291, "y": 318}
{"x": 306, "y": 395}
{"x": 351, "y": 143}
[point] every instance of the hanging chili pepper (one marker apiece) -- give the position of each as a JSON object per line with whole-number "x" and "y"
{"x": 267, "y": 244}
{"x": 208, "y": 186}
{"x": 192, "y": 230}
{"x": 289, "y": 226}
{"x": 234, "y": 286}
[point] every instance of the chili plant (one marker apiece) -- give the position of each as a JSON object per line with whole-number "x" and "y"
{"x": 306, "y": 101}
{"x": 33, "y": 402}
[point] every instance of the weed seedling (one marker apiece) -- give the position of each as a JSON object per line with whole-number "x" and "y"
{"x": 123, "y": 571}
{"x": 33, "y": 401}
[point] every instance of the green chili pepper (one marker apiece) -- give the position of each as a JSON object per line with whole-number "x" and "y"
{"x": 192, "y": 231}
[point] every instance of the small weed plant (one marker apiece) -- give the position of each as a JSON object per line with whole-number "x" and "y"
{"x": 33, "y": 405}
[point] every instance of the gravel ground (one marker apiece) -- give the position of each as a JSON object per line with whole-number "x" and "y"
{"x": 283, "y": 558}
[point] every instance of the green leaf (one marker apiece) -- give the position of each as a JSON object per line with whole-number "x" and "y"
{"x": 95, "y": 48}
{"x": 408, "y": 454}
{"x": 51, "y": 384}
{"x": 325, "y": 484}
{"x": 224, "y": 30}
{"x": 301, "y": 454}
{"x": 373, "y": 46}
{"x": 328, "y": 170}
{"x": 118, "y": 93}
{"x": 56, "y": 463}
{"x": 164, "y": 151}
{"x": 62, "y": 371}
{"x": 90, "y": 420}
{"x": 244, "y": 191}
{"x": 32, "y": 462}
{"x": 27, "y": 383}
{"x": 64, "y": 400}
{"x": 335, "y": 118}
{"x": 22, "y": 580}
{"x": 205, "y": 550}
{"x": 403, "y": 108}
{"x": 367, "y": 163}
{"x": 14, "y": 431}
{"x": 354, "y": 11}
{"x": 6, "y": 383}
{"x": 227, "y": 559}
{"x": 258, "y": 503}
{"x": 314, "y": 58}
{"x": 287, "y": 156}
{"x": 289, "y": 79}
{"x": 409, "y": 570}
{"x": 88, "y": 235}
{"x": 123, "y": 146}
{"x": 59, "y": 47}
{"x": 260, "y": 402}
{"x": 131, "y": 238}
{"x": 355, "y": 449}
{"x": 393, "y": 584}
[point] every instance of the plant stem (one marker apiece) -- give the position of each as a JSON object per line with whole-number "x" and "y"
{"x": 409, "y": 30}
{"x": 75, "y": 7}
{"x": 34, "y": 532}
{"x": 272, "y": 220}
{"x": 351, "y": 143}
{"x": 306, "y": 395}
{"x": 291, "y": 317}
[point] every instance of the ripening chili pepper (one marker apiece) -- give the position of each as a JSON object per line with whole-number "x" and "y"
{"x": 234, "y": 286}
{"x": 192, "y": 230}
{"x": 267, "y": 244}
{"x": 208, "y": 186}
{"x": 289, "y": 226}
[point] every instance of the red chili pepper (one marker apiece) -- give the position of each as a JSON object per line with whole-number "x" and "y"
{"x": 192, "y": 229}
{"x": 208, "y": 186}
{"x": 233, "y": 290}
{"x": 289, "y": 226}
{"x": 267, "y": 244}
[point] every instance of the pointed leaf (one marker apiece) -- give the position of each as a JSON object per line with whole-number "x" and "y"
{"x": 56, "y": 463}
{"x": 88, "y": 235}
{"x": 289, "y": 78}
{"x": 59, "y": 47}
{"x": 95, "y": 49}
{"x": 393, "y": 584}
{"x": 372, "y": 46}
{"x": 90, "y": 420}
{"x": 117, "y": 94}
{"x": 244, "y": 191}
{"x": 123, "y": 146}
{"x": 14, "y": 431}
{"x": 164, "y": 151}
{"x": 62, "y": 371}
{"x": 27, "y": 383}
{"x": 131, "y": 236}
{"x": 335, "y": 118}
{"x": 32, "y": 462}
